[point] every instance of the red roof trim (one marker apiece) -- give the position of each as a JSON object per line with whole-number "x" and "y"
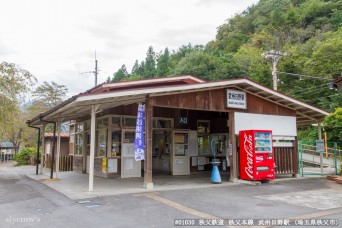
{"x": 134, "y": 84}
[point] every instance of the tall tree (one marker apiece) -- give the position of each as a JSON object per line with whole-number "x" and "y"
{"x": 121, "y": 74}
{"x": 163, "y": 63}
{"x": 150, "y": 64}
{"x": 50, "y": 94}
{"x": 135, "y": 68}
{"x": 16, "y": 130}
{"x": 15, "y": 82}
{"x": 203, "y": 65}
{"x": 333, "y": 125}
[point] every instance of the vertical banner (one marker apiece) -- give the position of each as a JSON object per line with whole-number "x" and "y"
{"x": 139, "y": 141}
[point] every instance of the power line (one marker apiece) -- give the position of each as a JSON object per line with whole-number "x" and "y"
{"x": 304, "y": 76}
{"x": 323, "y": 97}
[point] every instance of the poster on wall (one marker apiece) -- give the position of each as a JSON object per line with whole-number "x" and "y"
{"x": 179, "y": 138}
{"x": 112, "y": 165}
{"x": 139, "y": 140}
{"x": 129, "y": 164}
{"x": 179, "y": 149}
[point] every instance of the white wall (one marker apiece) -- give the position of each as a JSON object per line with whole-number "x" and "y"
{"x": 280, "y": 125}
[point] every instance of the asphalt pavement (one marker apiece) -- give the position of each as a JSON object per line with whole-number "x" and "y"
{"x": 25, "y": 202}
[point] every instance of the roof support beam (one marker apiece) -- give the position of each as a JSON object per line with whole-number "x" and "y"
{"x": 278, "y": 103}
{"x": 58, "y": 145}
{"x": 94, "y": 108}
{"x": 148, "y": 151}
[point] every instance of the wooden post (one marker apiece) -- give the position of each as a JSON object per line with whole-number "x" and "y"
{"x": 320, "y": 154}
{"x": 148, "y": 147}
{"x": 42, "y": 159}
{"x": 295, "y": 158}
{"x": 234, "y": 158}
{"x": 58, "y": 146}
{"x": 92, "y": 146}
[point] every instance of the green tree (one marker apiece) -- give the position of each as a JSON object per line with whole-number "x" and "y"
{"x": 203, "y": 65}
{"x": 16, "y": 130}
{"x": 23, "y": 158}
{"x": 150, "y": 64}
{"x": 333, "y": 125}
{"x": 121, "y": 74}
{"x": 135, "y": 68}
{"x": 326, "y": 57}
{"x": 163, "y": 63}
{"x": 50, "y": 95}
{"x": 254, "y": 65}
{"x": 15, "y": 82}
{"x": 176, "y": 56}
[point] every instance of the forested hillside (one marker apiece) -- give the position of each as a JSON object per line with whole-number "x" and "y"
{"x": 310, "y": 31}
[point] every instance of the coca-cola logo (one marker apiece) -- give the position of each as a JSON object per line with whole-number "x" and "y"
{"x": 248, "y": 146}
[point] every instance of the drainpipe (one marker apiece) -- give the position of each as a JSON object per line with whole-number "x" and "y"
{"x": 53, "y": 144}
{"x": 37, "y": 162}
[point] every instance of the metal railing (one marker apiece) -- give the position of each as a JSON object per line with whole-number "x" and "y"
{"x": 312, "y": 162}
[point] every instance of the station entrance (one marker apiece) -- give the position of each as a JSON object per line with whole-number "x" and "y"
{"x": 186, "y": 141}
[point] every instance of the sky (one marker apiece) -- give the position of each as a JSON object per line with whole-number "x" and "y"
{"x": 56, "y": 40}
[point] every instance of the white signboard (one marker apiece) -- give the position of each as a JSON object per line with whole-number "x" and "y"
{"x": 236, "y": 99}
{"x": 202, "y": 161}
{"x": 129, "y": 164}
{"x": 280, "y": 125}
{"x": 112, "y": 165}
{"x": 128, "y": 150}
{"x": 193, "y": 144}
{"x": 320, "y": 146}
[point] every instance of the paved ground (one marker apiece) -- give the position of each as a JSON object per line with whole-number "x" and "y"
{"x": 25, "y": 202}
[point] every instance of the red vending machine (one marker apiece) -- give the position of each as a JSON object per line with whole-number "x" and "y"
{"x": 256, "y": 155}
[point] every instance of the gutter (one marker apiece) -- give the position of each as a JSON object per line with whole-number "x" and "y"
{"x": 53, "y": 143}
{"x": 37, "y": 161}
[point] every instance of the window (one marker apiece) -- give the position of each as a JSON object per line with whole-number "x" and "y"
{"x": 102, "y": 123}
{"x": 101, "y": 136}
{"x": 203, "y": 126}
{"x": 116, "y": 143}
{"x": 130, "y": 121}
{"x": 116, "y": 121}
{"x": 101, "y": 143}
{"x": 129, "y": 137}
{"x": 79, "y": 139}
{"x": 162, "y": 123}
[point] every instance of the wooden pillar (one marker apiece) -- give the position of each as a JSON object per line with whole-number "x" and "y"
{"x": 295, "y": 158}
{"x": 58, "y": 146}
{"x": 92, "y": 146}
{"x": 84, "y": 149}
{"x": 320, "y": 154}
{"x": 42, "y": 159}
{"x": 233, "y": 158}
{"x": 148, "y": 144}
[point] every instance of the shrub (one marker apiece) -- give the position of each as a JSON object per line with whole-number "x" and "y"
{"x": 23, "y": 158}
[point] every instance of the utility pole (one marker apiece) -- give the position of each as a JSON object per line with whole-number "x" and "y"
{"x": 95, "y": 72}
{"x": 274, "y": 56}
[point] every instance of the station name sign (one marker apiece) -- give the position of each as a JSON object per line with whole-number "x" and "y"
{"x": 236, "y": 99}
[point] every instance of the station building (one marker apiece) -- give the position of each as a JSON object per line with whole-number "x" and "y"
{"x": 183, "y": 116}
